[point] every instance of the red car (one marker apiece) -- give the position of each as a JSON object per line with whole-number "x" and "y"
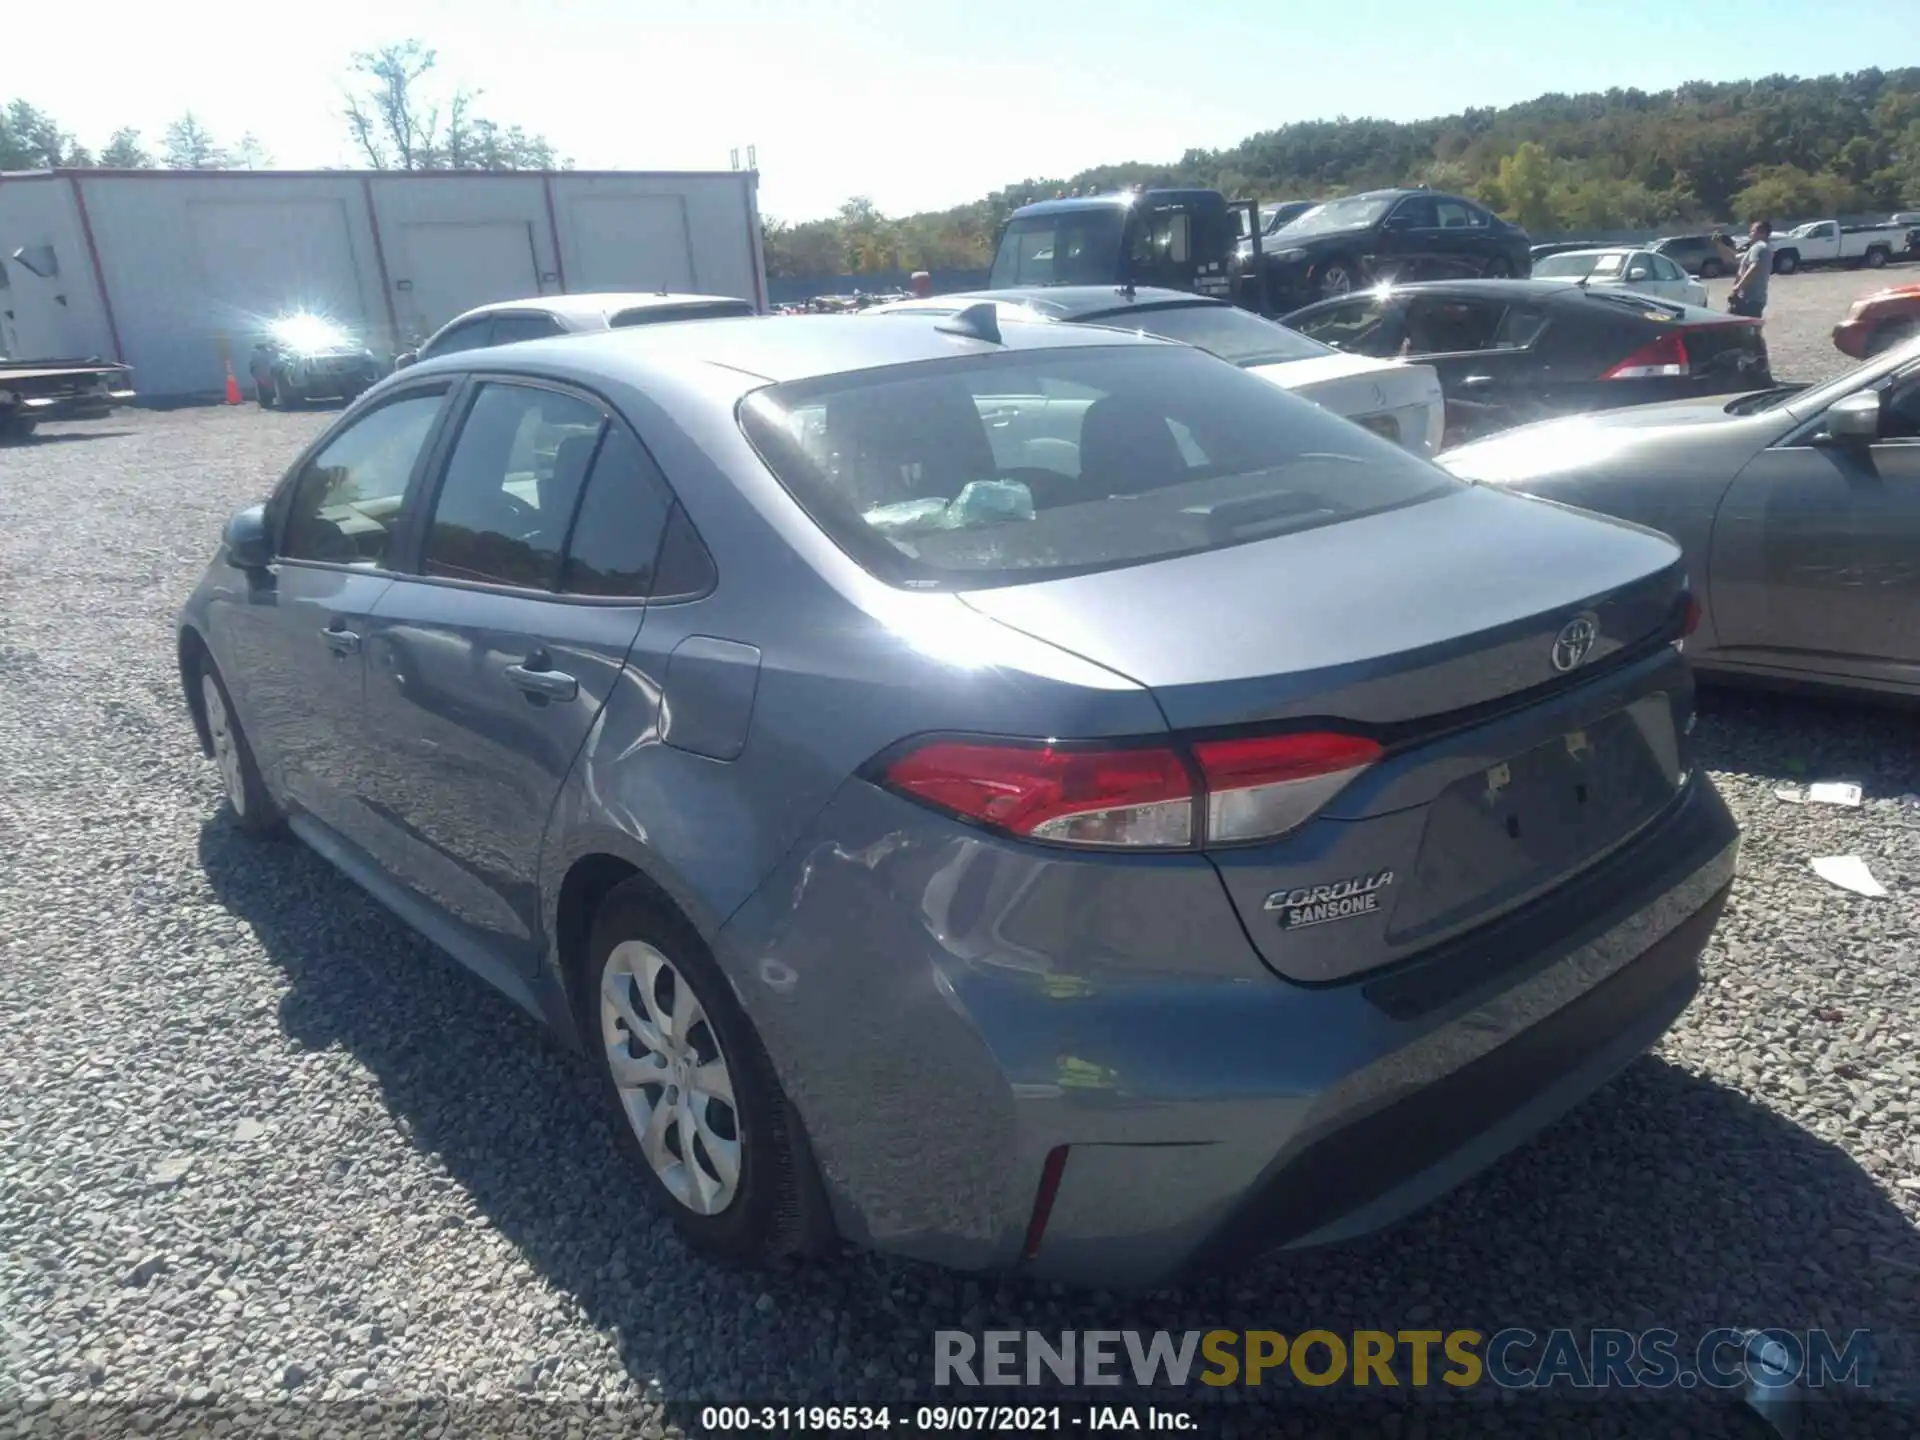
{"x": 1879, "y": 321}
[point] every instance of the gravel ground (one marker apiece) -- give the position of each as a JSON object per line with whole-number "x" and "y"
{"x": 258, "y": 1144}
{"x": 1802, "y": 310}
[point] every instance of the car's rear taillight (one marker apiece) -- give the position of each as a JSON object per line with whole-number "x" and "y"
{"x": 1076, "y": 796}
{"x": 1267, "y": 784}
{"x": 1662, "y": 357}
{"x": 1689, "y": 620}
{"x": 1149, "y": 796}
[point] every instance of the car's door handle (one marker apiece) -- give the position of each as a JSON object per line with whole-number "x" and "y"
{"x": 541, "y": 681}
{"x": 341, "y": 640}
{"x": 1477, "y": 380}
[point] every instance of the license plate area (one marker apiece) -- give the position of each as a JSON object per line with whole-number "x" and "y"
{"x": 1501, "y": 835}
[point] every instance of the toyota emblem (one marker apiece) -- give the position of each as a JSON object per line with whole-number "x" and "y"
{"x": 1575, "y": 642}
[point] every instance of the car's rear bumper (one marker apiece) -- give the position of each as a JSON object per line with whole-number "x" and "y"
{"x": 946, "y": 1011}
{"x": 88, "y": 405}
{"x": 1850, "y": 338}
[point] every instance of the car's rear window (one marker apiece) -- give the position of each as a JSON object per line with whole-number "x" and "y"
{"x": 997, "y": 469}
{"x": 656, "y": 314}
{"x": 1224, "y": 330}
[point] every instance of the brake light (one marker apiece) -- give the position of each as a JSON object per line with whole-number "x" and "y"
{"x": 1689, "y": 620}
{"x": 1664, "y": 356}
{"x": 1159, "y": 797}
{"x": 1080, "y": 797}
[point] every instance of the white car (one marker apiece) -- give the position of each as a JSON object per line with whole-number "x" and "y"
{"x": 1635, "y": 269}
{"x": 1398, "y": 399}
{"x": 542, "y": 316}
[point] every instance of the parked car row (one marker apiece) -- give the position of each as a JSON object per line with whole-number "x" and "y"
{"x": 1509, "y": 352}
{"x": 839, "y": 727}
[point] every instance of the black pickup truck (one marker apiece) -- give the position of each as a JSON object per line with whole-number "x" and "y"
{"x": 1198, "y": 240}
{"x": 36, "y": 390}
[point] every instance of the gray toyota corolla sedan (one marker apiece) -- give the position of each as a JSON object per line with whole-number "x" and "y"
{"x": 1018, "y": 795}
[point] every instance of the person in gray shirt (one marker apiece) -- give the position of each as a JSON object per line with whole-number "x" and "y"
{"x": 1749, "y": 296}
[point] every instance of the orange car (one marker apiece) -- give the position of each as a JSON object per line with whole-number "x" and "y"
{"x": 1879, "y": 321}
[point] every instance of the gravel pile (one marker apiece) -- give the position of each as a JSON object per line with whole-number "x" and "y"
{"x": 259, "y": 1145}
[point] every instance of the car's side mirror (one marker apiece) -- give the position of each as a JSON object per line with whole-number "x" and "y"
{"x": 1396, "y": 222}
{"x": 1638, "y": 272}
{"x": 1853, "y": 420}
{"x": 248, "y": 544}
{"x": 405, "y": 358}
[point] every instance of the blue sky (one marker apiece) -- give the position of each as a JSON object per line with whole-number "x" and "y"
{"x": 918, "y": 103}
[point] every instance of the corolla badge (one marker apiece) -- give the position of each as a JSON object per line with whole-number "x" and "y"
{"x": 1575, "y": 642}
{"x": 1319, "y": 904}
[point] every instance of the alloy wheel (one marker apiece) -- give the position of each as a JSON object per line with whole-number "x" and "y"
{"x": 226, "y": 745}
{"x": 672, "y": 1076}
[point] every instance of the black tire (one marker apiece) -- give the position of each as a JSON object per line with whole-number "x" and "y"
{"x": 777, "y": 1207}
{"x": 1339, "y": 276}
{"x": 17, "y": 429}
{"x": 1710, "y": 270}
{"x": 1785, "y": 263}
{"x": 284, "y": 396}
{"x": 252, "y": 806}
{"x": 1876, "y": 258}
{"x": 1499, "y": 268}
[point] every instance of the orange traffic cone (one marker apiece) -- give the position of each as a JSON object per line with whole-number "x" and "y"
{"x": 233, "y": 386}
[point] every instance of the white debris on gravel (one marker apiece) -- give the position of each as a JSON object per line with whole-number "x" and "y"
{"x": 260, "y": 1146}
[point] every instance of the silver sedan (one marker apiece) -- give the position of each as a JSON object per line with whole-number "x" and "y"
{"x": 1799, "y": 510}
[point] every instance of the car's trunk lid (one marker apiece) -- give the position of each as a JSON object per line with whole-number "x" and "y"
{"x": 1395, "y": 617}
{"x": 1434, "y": 630}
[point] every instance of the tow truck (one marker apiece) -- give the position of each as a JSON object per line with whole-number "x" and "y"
{"x": 36, "y": 390}
{"x": 1199, "y": 240}
{"x": 1183, "y": 239}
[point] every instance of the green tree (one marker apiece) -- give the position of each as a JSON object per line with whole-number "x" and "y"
{"x": 30, "y": 140}
{"x": 396, "y": 122}
{"x": 189, "y": 145}
{"x": 125, "y": 152}
{"x": 1525, "y": 179}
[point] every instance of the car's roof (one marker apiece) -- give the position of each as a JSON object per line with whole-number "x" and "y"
{"x": 1057, "y": 302}
{"x": 1509, "y": 290}
{"x": 1065, "y": 204}
{"x": 596, "y": 305}
{"x": 777, "y": 348}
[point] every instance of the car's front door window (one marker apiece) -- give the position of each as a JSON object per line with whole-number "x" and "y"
{"x": 1365, "y": 325}
{"x": 347, "y": 500}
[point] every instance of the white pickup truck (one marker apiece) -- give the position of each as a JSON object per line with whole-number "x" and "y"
{"x": 1828, "y": 242}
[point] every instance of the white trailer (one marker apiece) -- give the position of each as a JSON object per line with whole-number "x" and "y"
{"x": 176, "y": 271}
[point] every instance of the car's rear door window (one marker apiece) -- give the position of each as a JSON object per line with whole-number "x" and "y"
{"x": 469, "y": 335}
{"x": 1224, "y": 330}
{"x": 346, "y": 502}
{"x": 1130, "y": 454}
{"x": 622, "y": 518}
{"x": 511, "y": 486}
{"x": 509, "y": 328}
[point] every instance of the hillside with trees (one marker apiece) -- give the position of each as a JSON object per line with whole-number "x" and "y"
{"x": 1626, "y": 159}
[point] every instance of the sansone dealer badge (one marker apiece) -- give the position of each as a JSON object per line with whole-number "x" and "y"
{"x": 1319, "y": 904}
